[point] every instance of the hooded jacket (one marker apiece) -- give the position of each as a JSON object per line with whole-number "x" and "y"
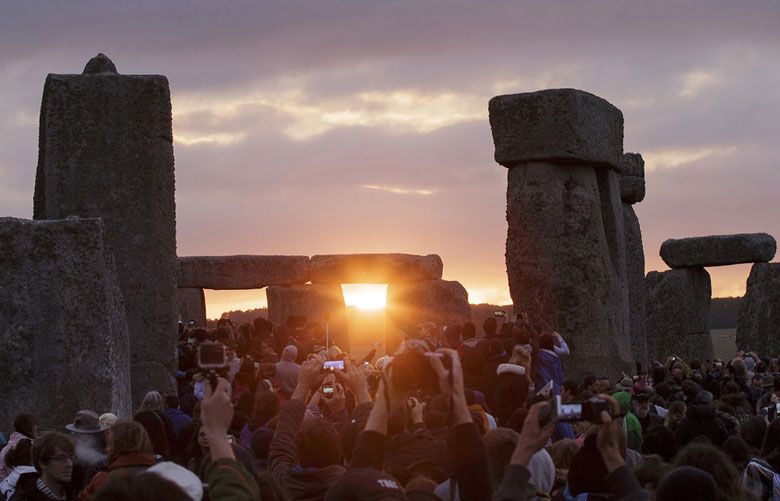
{"x": 511, "y": 391}
{"x": 301, "y": 483}
{"x": 548, "y": 367}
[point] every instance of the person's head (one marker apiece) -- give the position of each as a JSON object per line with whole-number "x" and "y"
{"x": 20, "y": 455}
{"x": 650, "y": 472}
{"x": 753, "y": 431}
{"x": 547, "y": 341}
{"x": 569, "y": 390}
{"x": 147, "y": 486}
{"x": 152, "y": 401}
{"x": 590, "y": 383}
{"x": 172, "y": 402}
{"x": 127, "y": 437}
{"x": 469, "y": 330}
{"x": 520, "y": 356}
{"x": 640, "y": 404}
{"x": 266, "y": 405}
{"x": 26, "y": 424}
{"x": 108, "y": 419}
{"x": 489, "y": 326}
{"x": 604, "y": 385}
{"x": 659, "y": 374}
{"x": 318, "y": 444}
{"x": 737, "y": 450}
{"x": 690, "y": 389}
{"x": 757, "y": 381}
{"x": 52, "y": 456}
{"x": 660, "y": 440}
{"x": 708, "y": 458}
{"x": 563, "y": 451}
{"x": 156, "y": 431}
{"x": 290, "y": 353}
{"x": 687, "y": 484}
{"x": 500, "y": 444}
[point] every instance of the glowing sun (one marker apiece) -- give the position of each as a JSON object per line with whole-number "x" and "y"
{"x": 365, "y": 296}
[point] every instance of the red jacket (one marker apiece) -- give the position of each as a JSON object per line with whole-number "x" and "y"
{"x": 124, "y": 466}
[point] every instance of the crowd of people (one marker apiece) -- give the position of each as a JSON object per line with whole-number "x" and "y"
{"x": 453, "y": 414}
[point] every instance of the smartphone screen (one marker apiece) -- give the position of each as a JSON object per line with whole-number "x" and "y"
{"x": 332, "y": 365}
{"x": 327, "y": 391}
{"x": 571, "y": 412}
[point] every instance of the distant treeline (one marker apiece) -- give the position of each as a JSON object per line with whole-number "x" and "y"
{"x": 723, "y": 313}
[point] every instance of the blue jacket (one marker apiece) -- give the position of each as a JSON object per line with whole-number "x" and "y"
{"x": 548, "y": 367}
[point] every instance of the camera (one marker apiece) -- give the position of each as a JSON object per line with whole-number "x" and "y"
{"x": 590, "y": 410}
{"x": 332, "y": 365}
{"x": 413, "y": 371}
{"x": 212, "y": 356}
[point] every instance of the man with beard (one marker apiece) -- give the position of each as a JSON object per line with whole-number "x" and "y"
{"x": 640, "y": 406}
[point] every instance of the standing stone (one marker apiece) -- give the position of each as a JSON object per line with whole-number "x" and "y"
{"x": 63, "y": 334}
{"x": 313, "y": 301}
{"x": 678, "y": 314}
{"x": 565, "y": 249}
{"x": 635, "y": 257}
{"x": 191, "y": 302}
{"x": 718, "y": 250}
{"x": 758, "y": 324}
{"x": 410, "y": 304}
{"x": 632, "y": 191}
{"x": 106, "y": 150}
{"x": 632, "y": 178}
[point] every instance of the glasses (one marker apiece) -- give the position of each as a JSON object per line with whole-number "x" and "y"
{"x": 61, "y": 459}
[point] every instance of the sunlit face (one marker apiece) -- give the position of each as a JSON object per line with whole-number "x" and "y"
{"x": 365, "y": 296}
{"x": 59, "y": 467}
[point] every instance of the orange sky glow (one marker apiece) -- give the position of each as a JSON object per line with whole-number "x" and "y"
{"x": 354, "y": 127}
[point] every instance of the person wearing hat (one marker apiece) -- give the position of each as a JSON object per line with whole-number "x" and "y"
{"x": 640, "y": 406}
{"x": 701, "y": 419}
{"x": 90, "y": 439}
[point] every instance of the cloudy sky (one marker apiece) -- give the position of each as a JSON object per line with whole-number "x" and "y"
{"x": 361, "y": 126}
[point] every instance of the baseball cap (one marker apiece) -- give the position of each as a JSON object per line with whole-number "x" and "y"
{"x": 364, "y": 485}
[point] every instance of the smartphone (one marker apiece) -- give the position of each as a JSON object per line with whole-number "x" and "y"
{"x": 546, "y": 388}
{"x": 332, "y": 365}
{"x": 500, "y": 314}
{"x": 550, "y": 412}
{"x": 327, "y": 391}
{"x": 212, "y": 356}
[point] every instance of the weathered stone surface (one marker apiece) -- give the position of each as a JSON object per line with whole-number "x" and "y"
{"x": 99, "y": 64}
{"x": 313, "y": 301}
{"x": 758, "y": 324}
{"x": 635, "y": 257}
{"x": 718, "y": 250}
{"x": 678, "y": 314}
{"x": 241, "y": 272}
{"x": 374, "y": 268}
{"x": 566, "y": 261}
{"x": 556, "y": 125}
{"x": 632, "y": 178}
{"x": 105, "y": 150}
{"x": 192, "y": 305}
{"x": 410, "y": 304}
{"x": 63, "y": 333}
